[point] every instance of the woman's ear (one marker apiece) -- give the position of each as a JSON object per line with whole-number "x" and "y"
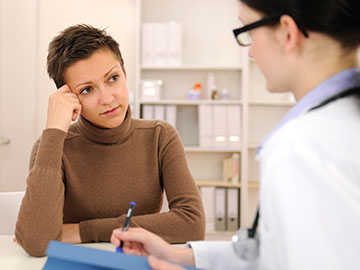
{"x": 292, "y": 36}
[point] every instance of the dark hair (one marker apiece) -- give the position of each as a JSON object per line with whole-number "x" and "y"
{"x": 339, "y": 19}
{"x": 76, "y": 43}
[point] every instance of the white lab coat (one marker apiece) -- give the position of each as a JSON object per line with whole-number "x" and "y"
{"x": 309, "y": 194}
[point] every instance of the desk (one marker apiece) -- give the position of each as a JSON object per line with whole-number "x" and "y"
{"x": 12, "y": 256}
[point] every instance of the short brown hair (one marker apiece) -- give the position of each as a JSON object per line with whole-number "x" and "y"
{"x": 76, "y": 43}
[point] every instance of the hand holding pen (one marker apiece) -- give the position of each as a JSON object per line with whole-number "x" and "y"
{"x": 126, "y": 224}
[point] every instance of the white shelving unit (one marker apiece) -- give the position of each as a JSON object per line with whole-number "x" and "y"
{"x": 209, "y": 46}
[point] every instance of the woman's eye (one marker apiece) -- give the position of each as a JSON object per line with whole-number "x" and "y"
{"x": 114, "y": 78}
{"x": 85, "y": 91}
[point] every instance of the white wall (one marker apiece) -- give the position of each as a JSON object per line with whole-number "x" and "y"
{"x": 17, "y": 89}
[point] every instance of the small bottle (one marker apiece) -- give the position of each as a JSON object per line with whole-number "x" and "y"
{"x": 214, "y": 94}
{"x": 195, "y": 93}
{"x": 211, "y": 85}
{"x": 224, "y": 94}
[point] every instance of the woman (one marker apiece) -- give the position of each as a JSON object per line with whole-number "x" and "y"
{"x": 310, "y": 166}
{"x": 83, "y": 176}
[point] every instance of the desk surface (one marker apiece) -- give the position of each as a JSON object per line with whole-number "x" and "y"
{"x": 12, "y": 256}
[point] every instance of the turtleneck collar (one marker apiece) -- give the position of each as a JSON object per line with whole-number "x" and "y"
{"x": 106, "y": 135}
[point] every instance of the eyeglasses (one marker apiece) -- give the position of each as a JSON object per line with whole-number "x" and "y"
{"x": 242, "y": 34}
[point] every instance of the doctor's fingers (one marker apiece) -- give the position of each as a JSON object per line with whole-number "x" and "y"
{"x": 150, "y": 242}
{"x": 158, "y": 264}
{"x": 133, "y": 234}
{"x": 134, "y": 248}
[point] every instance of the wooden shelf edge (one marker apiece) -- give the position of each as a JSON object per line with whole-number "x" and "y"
{"x": 186, "y": 68}
{"x": 214, "y": 183}
{"x": 191, "y": 102}
{"x": 229, "y": 233}
{"x": 253, "y": 184}
{"x": 211, "y": 150}
{"x": 271, "y": 103}
{"x": 211, "y": 183}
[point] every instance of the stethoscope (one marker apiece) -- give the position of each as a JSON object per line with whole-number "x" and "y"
{"x": 246, "y": 240}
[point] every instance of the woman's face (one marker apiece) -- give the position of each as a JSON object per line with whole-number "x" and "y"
{"x": 100, "y": 84}
{"x": 266, "y": 50}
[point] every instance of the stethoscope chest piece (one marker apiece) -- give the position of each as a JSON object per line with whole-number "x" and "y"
{"x": 245, "y": 247}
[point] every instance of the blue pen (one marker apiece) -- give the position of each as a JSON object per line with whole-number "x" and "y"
{"x": 126, "y": 225}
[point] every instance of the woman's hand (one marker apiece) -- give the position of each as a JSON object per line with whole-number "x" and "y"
{"x": 64, "y": 107}
{"x": 71, "y": 233}
{"x": 138, "y": 241}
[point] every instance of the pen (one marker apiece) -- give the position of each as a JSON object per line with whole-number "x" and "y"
{"x": 126, "y": 224}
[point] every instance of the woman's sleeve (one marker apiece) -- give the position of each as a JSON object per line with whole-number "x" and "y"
{"x": 41, "y": 211}
{"x": 186, "y": 219}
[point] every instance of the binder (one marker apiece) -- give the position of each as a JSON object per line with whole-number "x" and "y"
{"x": 66, "y": 256}
{"x": 175, "y": 44}
{"x": 232, "y": 209}
{"x": 171, "y": 115}
{"x": 220, "y": 126}
{"x": 147, "y": 112}
{"x": 234, "y": 126}
{"x": 147, "y": 45}
{"x": 160, "y": 37}
{"x": 159, "y": 113}
{"x": 208, "y": 198}
{"x": 220, "y": 209}
{"x": 206, "y": 125}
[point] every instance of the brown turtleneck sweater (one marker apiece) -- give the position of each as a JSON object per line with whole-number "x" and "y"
{"x": 90, "y": 175}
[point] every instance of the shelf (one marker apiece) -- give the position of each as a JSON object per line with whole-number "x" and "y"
{"x": 211, "y": 150}
{"x": 186, "y": 68}
{"x": 253, "y": 184}
{"x": 220, "y": 233}
{"x": 212, "y": 183}
{"x": 253, "y": 146}
{"x": 271, "y": 103}
{"x": 192, "y": 102}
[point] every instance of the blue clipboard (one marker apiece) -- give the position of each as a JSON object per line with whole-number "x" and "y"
{"x": 67, "y": 256}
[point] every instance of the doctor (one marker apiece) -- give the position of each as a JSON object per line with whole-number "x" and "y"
{"x": 310, "y": 164}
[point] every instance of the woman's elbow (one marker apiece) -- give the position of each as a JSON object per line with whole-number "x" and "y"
{"x": 34, "y": 245}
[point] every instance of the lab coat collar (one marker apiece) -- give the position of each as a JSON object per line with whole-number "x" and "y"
{"x": 337, "y": 83}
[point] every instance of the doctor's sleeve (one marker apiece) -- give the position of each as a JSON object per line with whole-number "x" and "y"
{"x": 218, "y": 255}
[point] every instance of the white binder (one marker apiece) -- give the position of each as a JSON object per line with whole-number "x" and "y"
{"x": 171, "y": 115}
{"x": 160, "y": 44}
{"x": 234, "y": 126}
{"x": 220, "y": 125}
{"x": 208, "y": 198}
{"x": 206, "y": 125}
{"x": 147, "y": 45}
{"x": 232, "y": 209}
{"x": 147, "y": 111}
{"x": 220, "y": 209}
{"x": 175, "y": 44}
{"x": 159, "y": 113}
